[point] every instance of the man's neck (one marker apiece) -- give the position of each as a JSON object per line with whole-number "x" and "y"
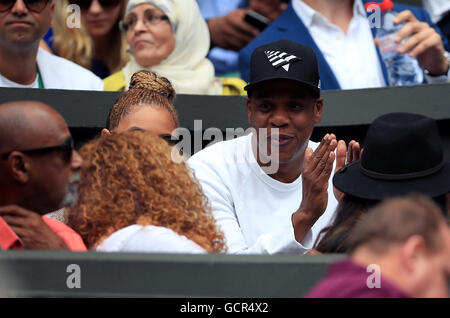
{"x": 19, "y": 64}
{"x": 338, "y": 12}
{"x": 391, "y": 269}
{"x": 285, "y": 172}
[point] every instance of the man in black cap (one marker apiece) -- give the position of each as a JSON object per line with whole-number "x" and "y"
{"x": 269, "y": 190}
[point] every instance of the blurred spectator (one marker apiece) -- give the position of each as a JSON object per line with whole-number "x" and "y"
{"x": 440, "y": 14}
{"x": 170, "y": 38}
{"x": 230, "y": 32}
{"x": 269, "y": 189}
{"x": 38, "y": 174}
{"x": 98, "y": 44}
{"x": 399, "y": 249}
{"x": 134, "y": 198}
{"x": 23, "y": 63}
{"x": 147, "y": 105}
{"x": 340, "y": 34}
{"x": 392, "y": 164}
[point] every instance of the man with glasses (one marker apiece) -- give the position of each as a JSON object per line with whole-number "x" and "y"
{"x": 23, "y": 23}
{"x": 38, "y": 174}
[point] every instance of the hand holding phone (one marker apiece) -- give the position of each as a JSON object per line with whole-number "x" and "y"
{"x": 257, "y": 20}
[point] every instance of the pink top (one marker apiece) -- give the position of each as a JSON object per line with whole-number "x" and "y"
{"x": 10, "y": 240}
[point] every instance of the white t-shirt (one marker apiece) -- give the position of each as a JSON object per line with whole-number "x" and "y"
{"x": 149, "y": 239}
{"x": 253, "y": 210}
{"x": 436, "y": 8}
{"x": 59, "y": 73}
{"x": 4, "y": 82}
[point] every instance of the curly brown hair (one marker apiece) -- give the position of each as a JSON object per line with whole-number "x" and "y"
{"x": 146, "y": 88}
{"x": 129, "y": 178}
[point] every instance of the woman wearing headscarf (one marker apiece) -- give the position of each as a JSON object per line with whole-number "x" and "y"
{"x": 170, "y": 38}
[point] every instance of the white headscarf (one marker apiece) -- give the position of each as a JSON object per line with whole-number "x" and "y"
{"x": 187, "y": 67}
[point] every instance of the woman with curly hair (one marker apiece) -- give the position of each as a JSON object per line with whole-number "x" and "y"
{"x": 134, "y": 198}
{"x": 147, "y": 105}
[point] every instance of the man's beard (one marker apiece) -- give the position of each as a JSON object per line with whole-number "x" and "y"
{"x": 71, "y": 195}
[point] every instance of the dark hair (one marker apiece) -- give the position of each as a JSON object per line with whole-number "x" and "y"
{"x": 335, "y": 238}
{"x": 348, "y": 212}
{"x": 395, "y": 220}
{"x": 145, "y": 88}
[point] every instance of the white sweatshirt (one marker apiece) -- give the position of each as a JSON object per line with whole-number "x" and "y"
{"x": 253, "y": 209}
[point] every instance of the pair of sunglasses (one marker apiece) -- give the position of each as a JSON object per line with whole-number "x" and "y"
{"x": 32, "y": 5}
{"x": 105, "y": 4}
{"x": 170, "y": 139}
{"x": 66, "y": 148}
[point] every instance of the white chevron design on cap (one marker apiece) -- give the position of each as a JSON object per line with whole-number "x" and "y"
{"x": 281, "y": 59}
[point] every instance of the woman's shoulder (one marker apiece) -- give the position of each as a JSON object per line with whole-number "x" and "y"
{"x": 115, "y": 82}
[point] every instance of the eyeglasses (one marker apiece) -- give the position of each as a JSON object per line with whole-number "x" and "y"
{"x": 32, "y": 5}
{"x": 66, "y": 148}
{"x": 86, "y": 4}
{"x": 149, "y": 19}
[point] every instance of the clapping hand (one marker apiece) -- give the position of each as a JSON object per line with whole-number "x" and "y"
{"x": 316, "y": 172}
{"x": 344, "y": 157}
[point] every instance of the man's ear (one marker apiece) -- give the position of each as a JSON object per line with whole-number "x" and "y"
{"x": 52, "y": 8}
{"x": 318, "y": 110}
{"x": 412, "y": 251}
{"x": 18, "y": 167}
{"x": 105, "y": 132}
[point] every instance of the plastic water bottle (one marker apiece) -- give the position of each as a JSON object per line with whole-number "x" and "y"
{"x": 401, "y": 67}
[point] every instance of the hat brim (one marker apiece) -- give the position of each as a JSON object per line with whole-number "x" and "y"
{"x": 351, "y": 180}
{"x": 314, "y": 90}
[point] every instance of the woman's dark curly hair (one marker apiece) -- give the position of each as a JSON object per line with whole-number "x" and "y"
{"x": 129, "y": 178}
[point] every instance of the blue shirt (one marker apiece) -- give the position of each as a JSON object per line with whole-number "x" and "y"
{"x": 225, "y": 61}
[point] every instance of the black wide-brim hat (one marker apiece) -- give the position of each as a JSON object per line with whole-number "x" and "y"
{"x": 402, "y": 154}
{"x": 288, "y": 60}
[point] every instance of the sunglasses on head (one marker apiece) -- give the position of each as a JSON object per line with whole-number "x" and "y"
{"x": 105, "y": 4}
{"x": 32, "y": 5}
{"x": 66, "y": 148}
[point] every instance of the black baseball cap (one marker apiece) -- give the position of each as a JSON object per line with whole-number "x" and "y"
{"x": 285, "y": 59}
